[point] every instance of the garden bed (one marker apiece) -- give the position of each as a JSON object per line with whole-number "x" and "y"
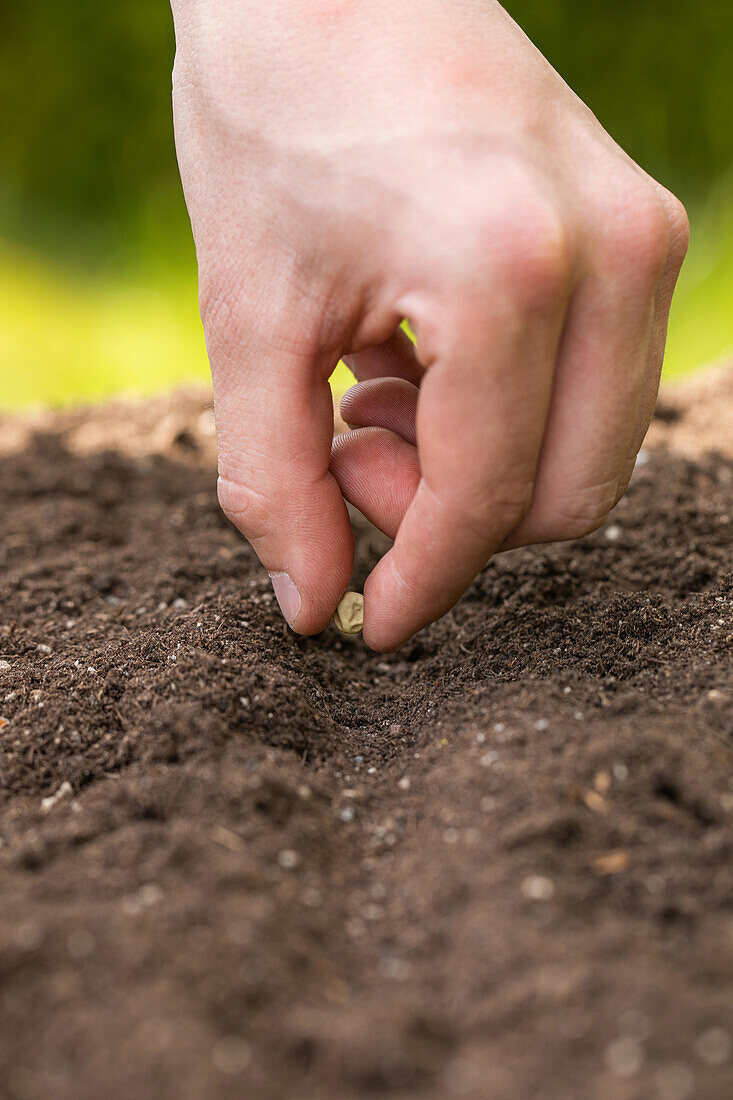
{"x": 237, "y": 863}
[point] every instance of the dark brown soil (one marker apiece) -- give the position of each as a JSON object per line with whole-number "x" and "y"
{"x": 236, "y": 863}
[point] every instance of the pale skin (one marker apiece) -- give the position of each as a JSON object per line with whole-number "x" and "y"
{"x": 348, "y": 164}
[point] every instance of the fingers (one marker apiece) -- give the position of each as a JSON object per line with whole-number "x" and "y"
{"x": 378, "y": 472}
{"x": 274, "y": 417}
{"x": 395, "y": 358}
{"x": 384, "y": 403}
{"x": 603, "y": 396}
{"x": 605, "y": 385}
{"x": 480, "y": 424}
{"x": 679, "y": 239}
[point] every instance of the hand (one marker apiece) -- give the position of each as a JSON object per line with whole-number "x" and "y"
{"x": 349, "y": 163}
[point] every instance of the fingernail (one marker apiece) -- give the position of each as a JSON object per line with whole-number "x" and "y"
{"x": 287, "y": 596}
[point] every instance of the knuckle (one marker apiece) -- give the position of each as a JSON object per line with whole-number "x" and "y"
{"x": 581, "y": 513}
{"x": 624, "y": 480}
{"x": 489, "y": 513}
{"x": 639, "y": 234}
{"x": 508, "y": 509}
{"x": 679, "y": 224}
{"x": 533, "y": 254}
{"x": 545, "y": 254}
{"x": 245, "y": 507}
{"x": 509, "y": 235}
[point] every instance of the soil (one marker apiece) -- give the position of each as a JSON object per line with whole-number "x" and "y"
{"x": 237, "y": 863}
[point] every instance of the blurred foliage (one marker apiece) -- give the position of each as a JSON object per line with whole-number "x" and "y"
{"x": 89, "y": 147}
{"x": 658, "y": 76}
{"x": 97, "y": 272}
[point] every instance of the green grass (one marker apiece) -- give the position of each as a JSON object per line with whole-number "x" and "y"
{"x": 68, "y": 337}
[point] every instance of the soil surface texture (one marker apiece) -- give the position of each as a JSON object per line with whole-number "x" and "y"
{"x": 496, "y": 865}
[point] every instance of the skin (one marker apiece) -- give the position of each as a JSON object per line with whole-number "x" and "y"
{"x": 350, "y": 163}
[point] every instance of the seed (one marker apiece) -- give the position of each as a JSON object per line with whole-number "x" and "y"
{"x": 349, "y": 617}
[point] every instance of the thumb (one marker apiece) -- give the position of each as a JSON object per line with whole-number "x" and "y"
{"x": 274, "y": 415}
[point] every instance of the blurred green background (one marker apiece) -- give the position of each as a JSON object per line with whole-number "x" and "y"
{"x": 97, "y": 271}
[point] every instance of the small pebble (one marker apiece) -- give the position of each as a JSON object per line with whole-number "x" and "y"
{"x": 149, "y": 894}
{"x": 624, "y": 1056}
{"x": 538, "y": 888}
{"x": 231, "y": 1055}
{"x": 404, "y": 783}
{"x": 288, "y": 859}
{"x": 613, "y": 533}
{"x": 64, "y": 791}
{"x": 5, "y": 666}
{"x": 397, "y": 969}
{"x": 373, "y": 912}
{"x": 29, "y": 936}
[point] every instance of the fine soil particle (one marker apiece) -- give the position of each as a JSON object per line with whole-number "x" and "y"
{"x": 237, "y": 863}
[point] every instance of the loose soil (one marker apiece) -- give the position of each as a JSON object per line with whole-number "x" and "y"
{"x": 237, "y": 863}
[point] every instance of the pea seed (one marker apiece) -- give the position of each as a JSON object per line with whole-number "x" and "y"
{"x": 349, "y": 617}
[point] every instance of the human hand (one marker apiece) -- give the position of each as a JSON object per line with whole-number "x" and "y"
{"x": 349, "y": 163}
